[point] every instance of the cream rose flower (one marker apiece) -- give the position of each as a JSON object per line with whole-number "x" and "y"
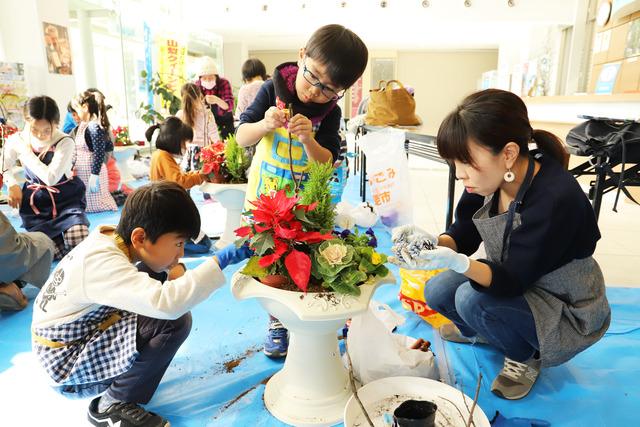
{"x": 334, "y": 254}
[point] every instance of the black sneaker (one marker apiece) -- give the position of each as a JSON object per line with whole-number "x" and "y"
{"x": 124, "y": 415}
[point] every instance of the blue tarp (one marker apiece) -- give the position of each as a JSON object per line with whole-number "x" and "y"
{"x": 217, "y": 378}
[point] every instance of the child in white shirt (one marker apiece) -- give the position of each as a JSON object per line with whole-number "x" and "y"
{"x": 100, "y": 324}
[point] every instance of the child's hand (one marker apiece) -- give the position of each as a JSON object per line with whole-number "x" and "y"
{"x": 301, "y": 126}
{"x": 94, "y": 183}
{"x": 274, "y": 119}
{"x": 15, "y": 196}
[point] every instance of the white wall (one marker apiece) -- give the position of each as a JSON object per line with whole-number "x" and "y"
{"x": 441, "y": 79}
{"x": 234, "y": 55}
{"x": 21, "y": 35}
{"x": 272, "y": 58}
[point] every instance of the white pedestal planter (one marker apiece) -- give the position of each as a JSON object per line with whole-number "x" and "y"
{"x": 313, "y": 387}
{"x": 122, "y": 155}
{"x": 231, "y": 197}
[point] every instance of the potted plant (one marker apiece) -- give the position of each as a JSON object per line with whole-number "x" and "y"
{"x": 213, "y": 163}
{"x": 331, "y": 276}
{"x": 226, "y": 168}
{"x": 121, "y": 136}
{"x": 170, "y": 101}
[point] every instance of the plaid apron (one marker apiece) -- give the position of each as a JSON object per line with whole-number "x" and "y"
{"x": 102, "y": 200}
{"x": 96, "y": 347}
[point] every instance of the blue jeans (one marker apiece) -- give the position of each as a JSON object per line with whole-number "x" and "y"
{"x": 505, "y": 322}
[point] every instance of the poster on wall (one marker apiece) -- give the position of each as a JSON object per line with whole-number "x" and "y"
{"x": 58, "y": 48}
{"x": 13, "y": 92}
{"x": 607, "y": 78}
{"x": 632, "y": 47}
{"x": 171, "y": 63}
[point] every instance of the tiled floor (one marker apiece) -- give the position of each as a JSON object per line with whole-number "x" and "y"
{"x": 618, "y": 252}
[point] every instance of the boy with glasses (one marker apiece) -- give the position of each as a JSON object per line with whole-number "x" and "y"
{"x": 295, "y": 119}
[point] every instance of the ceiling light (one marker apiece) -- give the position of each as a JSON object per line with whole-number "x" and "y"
{"x": 511, "y": 3}
{"x": 467, "y": 3}
{"x": 425, "y": 3}
{"x": 343, "y": 4}
{"x": 383, "y": 4}
{"x": 265, "y": 7}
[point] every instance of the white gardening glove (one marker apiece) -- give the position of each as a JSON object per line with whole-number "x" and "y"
{"x": 443, "y": 257}
{"x": 94, "y": 183}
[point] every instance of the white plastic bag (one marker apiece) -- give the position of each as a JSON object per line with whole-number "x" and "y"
{"x": 377, "y": 353}
{"x": 388, "y": 174}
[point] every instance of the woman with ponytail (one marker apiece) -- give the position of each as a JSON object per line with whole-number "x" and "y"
{"x": 538, "y": 296}
{"x": 93, "y": 148}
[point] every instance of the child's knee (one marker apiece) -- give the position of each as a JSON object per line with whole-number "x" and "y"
{"x": 182, "y": 326}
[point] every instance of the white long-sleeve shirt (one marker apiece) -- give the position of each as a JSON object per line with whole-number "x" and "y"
{"x": 97, "y": 273}
{"x": 20, "y": 146}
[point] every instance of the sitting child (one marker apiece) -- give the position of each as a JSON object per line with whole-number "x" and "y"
{"x": 25, "y": 258}
{"x": 172, "y": 141}
{"x": 100, "y": 324}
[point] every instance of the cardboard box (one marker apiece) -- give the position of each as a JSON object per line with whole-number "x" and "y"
{"x": 629, "y": 76}
{"x": 618, "y": 42}
{"x": 593, "y": 79}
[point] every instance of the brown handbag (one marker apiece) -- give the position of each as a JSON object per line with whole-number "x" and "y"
{"x": 391, "y": 107}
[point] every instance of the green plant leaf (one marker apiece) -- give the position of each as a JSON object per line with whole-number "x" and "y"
{"x": 262, "y": 242}
{"x": 253, "y": 268}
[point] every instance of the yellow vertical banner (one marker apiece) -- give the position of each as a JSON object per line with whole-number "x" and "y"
{"x": 171, "y": 63}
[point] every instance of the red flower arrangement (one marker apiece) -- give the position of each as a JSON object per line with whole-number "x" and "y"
{"x": 282, "y": 237}
{"x": 121, "y": 135}
{"x": 212, "y": 157}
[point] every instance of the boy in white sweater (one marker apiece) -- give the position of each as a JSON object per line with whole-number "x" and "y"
{"x": 101, "y": 324}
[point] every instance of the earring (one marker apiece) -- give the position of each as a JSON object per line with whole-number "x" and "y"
{"x": 509, "y": 176}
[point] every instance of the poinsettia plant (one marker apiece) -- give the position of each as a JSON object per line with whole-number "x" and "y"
{"x": 212, "y": 158}
{"x": 288, "y": 242}
{"x": 121, "y": 135}
{"x": 282, "y": 237}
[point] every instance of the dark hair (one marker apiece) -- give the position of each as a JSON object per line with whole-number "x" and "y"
{"x": 191, "y": 94}
{"x": 42, "y": 108}
{"x": 70, "y": 108}
{"x": 341, "y": 51}
{"x": 253, "y": 67}
{"x": 159, "y": 208}
{"x": 492, "y": 118}
{"x": 94, "y": 99}
{"x": 172, "y": 133}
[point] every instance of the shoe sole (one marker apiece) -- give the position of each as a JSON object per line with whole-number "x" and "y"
{"x": 275, "y": 354}
{"x": 498, "y": 393}
{"x": 109, "y": 423}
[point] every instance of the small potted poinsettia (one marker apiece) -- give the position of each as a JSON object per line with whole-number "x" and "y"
{"x": 225, "y": 162}
{"x": 121, "y": 136}
{"x": 212, "y": 157}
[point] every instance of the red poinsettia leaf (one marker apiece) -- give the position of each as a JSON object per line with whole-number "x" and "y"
{"x": 280, "y": 249}
{"x": 285, "y": 232}
{"x": 314, "y": 237}
{"x": 243, "y": 231}
{"x": 299, "y": 267}
{"x": 310, "y": 207}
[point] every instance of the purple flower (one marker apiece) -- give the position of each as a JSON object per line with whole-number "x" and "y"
{"x": 373, "y": 242}
{"x": 345, "y": 233}
{"x": 370, "y": 232}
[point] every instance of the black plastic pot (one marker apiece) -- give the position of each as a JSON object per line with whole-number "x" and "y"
{"x": 415, "y": 413}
